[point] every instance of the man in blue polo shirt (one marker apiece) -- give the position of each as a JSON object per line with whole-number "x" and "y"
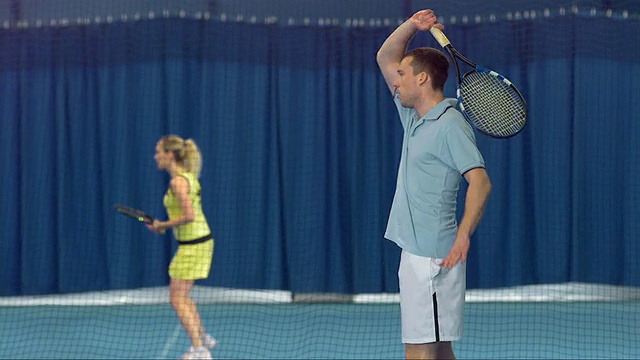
{"x": 438, "y": 149}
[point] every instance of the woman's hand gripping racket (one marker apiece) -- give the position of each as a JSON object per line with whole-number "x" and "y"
{"x": 487, "y": 99}
{"x": 136, "y": 214}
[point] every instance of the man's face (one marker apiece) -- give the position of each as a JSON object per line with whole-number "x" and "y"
{"x": 406, "y": 84}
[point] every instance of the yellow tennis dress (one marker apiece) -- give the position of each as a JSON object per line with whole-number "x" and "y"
{"x": 193, "y": 258}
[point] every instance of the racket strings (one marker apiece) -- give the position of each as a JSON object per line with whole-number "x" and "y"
{"x": 492, "y": 105}
{"x": 135, "y": 213}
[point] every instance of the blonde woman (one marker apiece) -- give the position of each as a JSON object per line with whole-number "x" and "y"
{"x": 183, "y": 161}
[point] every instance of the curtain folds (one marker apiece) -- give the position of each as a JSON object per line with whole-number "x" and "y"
{"x": 301, "y": 142}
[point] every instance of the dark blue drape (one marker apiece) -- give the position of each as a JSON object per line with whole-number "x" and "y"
{"x": 301, "y": 143}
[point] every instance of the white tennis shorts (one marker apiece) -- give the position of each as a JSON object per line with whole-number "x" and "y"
{"x": 431, "y": 299}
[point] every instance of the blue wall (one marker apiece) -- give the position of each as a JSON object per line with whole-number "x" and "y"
{"x": 297, "y": 10}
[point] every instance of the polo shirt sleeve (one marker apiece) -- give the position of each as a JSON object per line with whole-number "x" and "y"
{"x": 460, "y": 145}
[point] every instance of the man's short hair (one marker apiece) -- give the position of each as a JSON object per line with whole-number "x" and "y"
{"x": 431, "y": 61}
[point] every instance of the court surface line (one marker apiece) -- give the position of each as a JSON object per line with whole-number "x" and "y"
{"x": 170, "y": 342}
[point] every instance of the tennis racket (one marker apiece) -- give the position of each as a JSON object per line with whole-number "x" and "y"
{"x": 135, "y": 213}
{"x": 487, "y": 99}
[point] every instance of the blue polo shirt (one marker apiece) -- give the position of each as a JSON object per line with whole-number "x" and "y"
{"x": 437, "y": 150}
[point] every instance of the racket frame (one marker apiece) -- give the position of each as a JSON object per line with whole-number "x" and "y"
{"x": 134, "y": 213}
{"x": 454, "y": 54}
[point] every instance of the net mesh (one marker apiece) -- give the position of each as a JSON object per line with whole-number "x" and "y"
{"x": 300, "y": 148}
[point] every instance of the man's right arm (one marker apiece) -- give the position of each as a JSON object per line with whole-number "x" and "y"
{"x": 393, "y": 49}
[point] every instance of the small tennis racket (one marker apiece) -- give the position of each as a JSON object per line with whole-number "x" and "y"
{"x": 135, "y": 213}
{"x": 487, "y": 99}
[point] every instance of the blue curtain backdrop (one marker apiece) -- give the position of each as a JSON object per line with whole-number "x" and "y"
{"x": 301, "y": 143}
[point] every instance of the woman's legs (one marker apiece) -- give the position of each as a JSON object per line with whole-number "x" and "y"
{"x": 186, "y": 310}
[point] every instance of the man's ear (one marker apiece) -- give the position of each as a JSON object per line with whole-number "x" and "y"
{"x": 423, "y": 77}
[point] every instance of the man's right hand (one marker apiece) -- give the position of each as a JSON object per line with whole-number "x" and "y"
{"x": 425, "y": 19}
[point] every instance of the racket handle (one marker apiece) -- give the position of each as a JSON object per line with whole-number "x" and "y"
{"x": 439, "y": 36}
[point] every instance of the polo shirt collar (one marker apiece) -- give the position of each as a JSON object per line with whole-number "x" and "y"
{"x": 439, "y": 109}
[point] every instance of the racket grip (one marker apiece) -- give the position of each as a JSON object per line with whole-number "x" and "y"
{"x": 439, "y": 36}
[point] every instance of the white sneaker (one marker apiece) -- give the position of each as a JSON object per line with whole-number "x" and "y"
{"x": 200, "y": 353}
{"x": 209, "y": 342}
